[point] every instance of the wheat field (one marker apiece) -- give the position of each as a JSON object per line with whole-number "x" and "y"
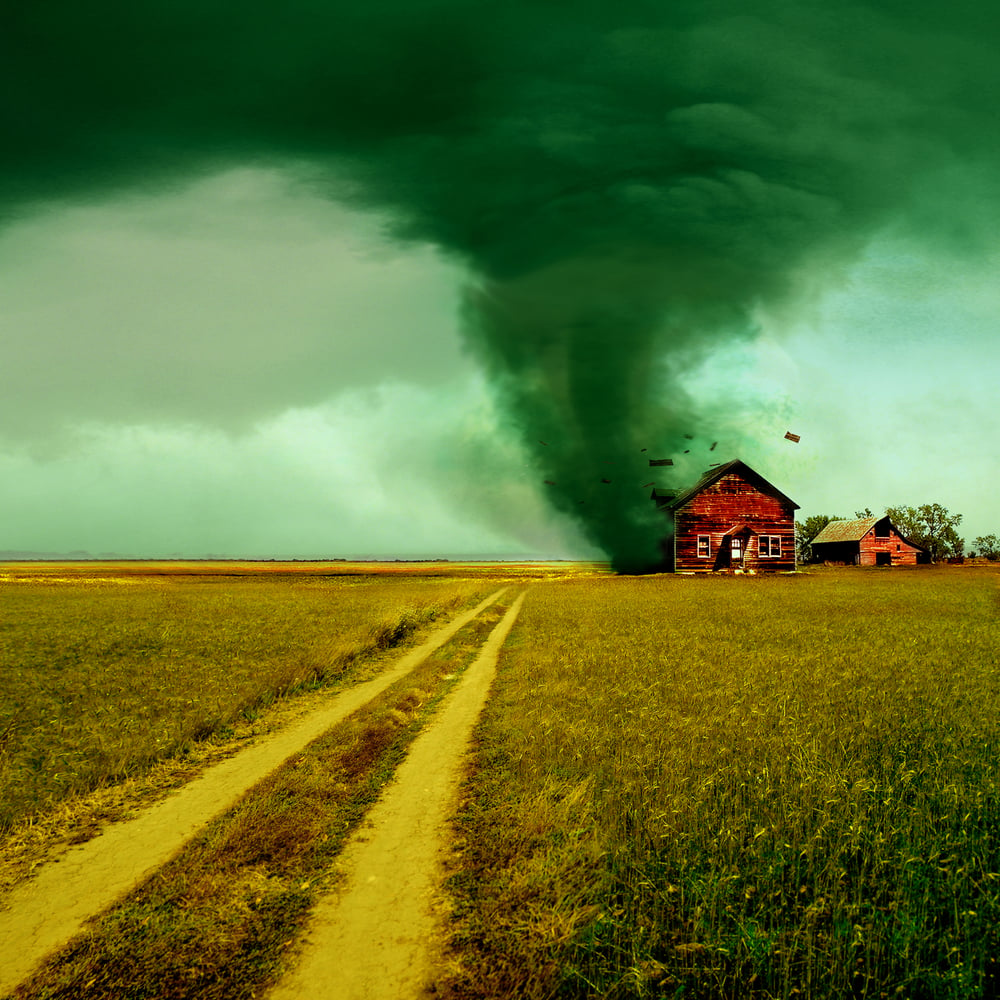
{"x": 740, "y": 787}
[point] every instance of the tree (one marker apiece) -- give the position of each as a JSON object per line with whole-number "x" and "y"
{"x": 807, "y": 530}
{"x": 988, "y": 546}
{"x": 930, "y": 526}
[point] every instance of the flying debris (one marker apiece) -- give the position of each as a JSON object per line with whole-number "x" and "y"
{"x": 644, "y": 485}
{"x": 550, "y": 482}
{"x": 793, "y": 437}
{"x": 714, "y": 443}
{"x": 642, "y": 449}
{"x": 690, "y": 437}
{"x": 687, "y": 451}
{"x": 605, "y": 480}
{"x": 661, "y": 461}
{"x": 540, "y": 441}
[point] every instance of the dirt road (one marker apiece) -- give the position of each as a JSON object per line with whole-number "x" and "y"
{"x": 45, "y": 912}
{"x": 379, "y": 937}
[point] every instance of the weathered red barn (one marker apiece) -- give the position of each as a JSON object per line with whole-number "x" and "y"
{"x": 731, "y": 519}
{"x": 866, "y": 541}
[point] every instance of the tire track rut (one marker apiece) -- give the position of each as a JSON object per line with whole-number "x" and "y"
{"x": 381, "y": 935}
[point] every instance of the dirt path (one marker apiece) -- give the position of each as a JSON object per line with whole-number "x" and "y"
{"x": 380, "y": 936}
{"x": 45, "y": 912}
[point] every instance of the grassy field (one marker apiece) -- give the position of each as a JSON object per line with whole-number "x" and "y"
{"x": 683, "y": 787}
{"x": 107, "y": 668}
{"x": 739, "y": 787}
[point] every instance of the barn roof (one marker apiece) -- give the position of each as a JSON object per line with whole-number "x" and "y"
{"x": 854, "y": 531}
{"x": 714, "y": 475}
{"x": 846, "y": 531}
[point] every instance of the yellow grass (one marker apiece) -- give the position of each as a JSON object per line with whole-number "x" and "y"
{"x": 782, "y": 787}
{"x": 106, "y": 668}
{"x": 738, "y": 787}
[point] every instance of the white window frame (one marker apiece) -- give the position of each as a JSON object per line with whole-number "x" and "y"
{"x": 766, "y": 545}
{"x": 707, "y": 554}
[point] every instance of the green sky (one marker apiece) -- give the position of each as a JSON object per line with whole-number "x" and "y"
{"x": 321, "y": 280}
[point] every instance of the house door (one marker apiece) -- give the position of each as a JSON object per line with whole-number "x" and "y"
{"x": 736, "y": 550}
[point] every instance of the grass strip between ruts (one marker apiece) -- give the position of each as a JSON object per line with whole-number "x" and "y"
{"x": 217, "y": 922}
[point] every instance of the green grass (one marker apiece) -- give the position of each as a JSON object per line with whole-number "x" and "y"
{"x": 723, "y": 788}
{"x": 105, "y": 671}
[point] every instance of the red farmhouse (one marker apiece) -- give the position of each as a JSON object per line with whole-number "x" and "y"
{"x": 868, "y": 541}
{"x": 731, "y": 519}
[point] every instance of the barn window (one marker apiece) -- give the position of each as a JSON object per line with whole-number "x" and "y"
{"x": 704, "y": 545}
{"x": 770, "y": 546}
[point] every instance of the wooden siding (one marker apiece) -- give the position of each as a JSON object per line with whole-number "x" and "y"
{"x": 715, "y": 510}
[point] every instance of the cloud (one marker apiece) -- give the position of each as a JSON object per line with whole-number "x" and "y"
{"x": 398, "y": 470}
{"x": 218, "y": 303}
{"x": 896, "y": 369}
{"x": 629, "y": 187}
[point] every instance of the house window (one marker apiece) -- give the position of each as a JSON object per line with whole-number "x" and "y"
{"x": 770, "y": 546}
{"x": 704, "y": 546}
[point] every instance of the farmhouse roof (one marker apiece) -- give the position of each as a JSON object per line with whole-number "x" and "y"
{"x": 714, "y": 475}
{"x": 663, "y": 497}
{"x": 846, "y": 531}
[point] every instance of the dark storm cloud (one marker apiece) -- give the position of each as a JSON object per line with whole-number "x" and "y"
{"x": 627, "y": 181}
